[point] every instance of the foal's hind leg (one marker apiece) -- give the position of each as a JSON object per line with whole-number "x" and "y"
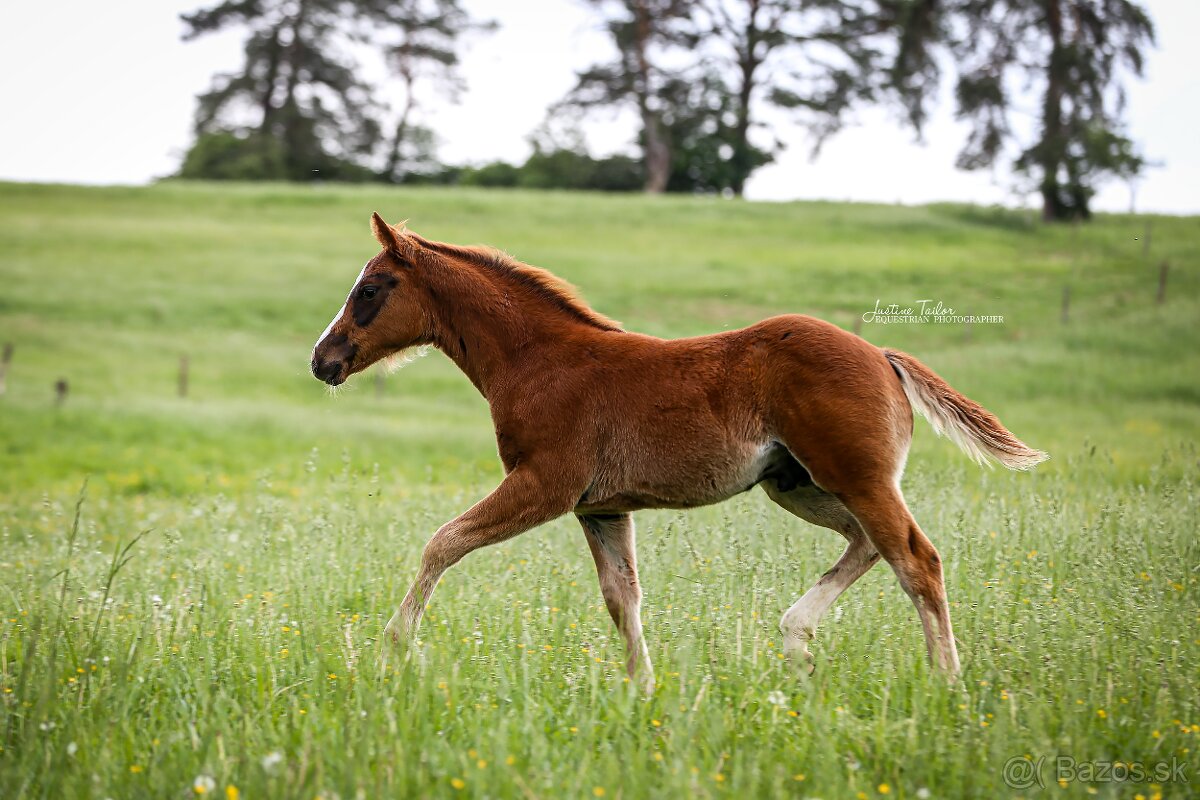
{"x": 799, "y": 623}
{"x": 611, "y": 539}
{"x": 889, "y": 524}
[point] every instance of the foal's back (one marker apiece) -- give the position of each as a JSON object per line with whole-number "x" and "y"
{"x": 687, "y": 422}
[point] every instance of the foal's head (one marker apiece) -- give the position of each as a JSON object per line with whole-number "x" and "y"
{"x": 382, "y": 315}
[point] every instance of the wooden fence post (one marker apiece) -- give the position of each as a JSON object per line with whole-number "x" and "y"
{"x": 183, "y": 376}
{"x": 1146, "y": 239}
{"x": 4, "y": 362}
{"x": 60, "y": 392}
{"x": 1066, "y": 303}
{"x": 1162, "y": 281}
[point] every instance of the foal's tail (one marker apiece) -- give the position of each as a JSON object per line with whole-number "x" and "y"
{"x": 963, "y": 421}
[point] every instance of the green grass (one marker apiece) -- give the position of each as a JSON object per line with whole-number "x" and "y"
{"x": 238, "y": 642}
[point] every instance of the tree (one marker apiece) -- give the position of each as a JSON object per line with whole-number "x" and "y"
{"x": 816, "y": 57}
{"x": 709, "y": 151}
{"x": 1074, "y": 51}
{"x": 224, "y": 156}
{"x": 294, "y": 97}
{"x": 429, "y": 32}
{"x": 645, "y": 33}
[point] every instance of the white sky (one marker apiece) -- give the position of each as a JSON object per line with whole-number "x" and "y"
{"x": 96, "y": 92}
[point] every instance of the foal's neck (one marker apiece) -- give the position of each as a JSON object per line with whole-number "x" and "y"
{"x": 488, "y": 325}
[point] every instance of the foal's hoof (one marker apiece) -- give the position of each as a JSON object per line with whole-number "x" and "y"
{"x": 800, "y": 658}
{"x": 804, "y": 667}
{"x": 398, "y": 652}
{"x": 645, "y": 683}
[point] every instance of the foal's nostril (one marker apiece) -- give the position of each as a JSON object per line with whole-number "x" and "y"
{"x": 327, "y": 371}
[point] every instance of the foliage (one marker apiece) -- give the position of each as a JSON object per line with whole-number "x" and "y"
{"x": 1074, "y": 53}
{"x": 647, "y": 35}
{"x": 497, "y": 174}
{"x": 228, "y": 156}
{"x": 559, "y": 166}
{"x": 818, "y": 60}
{"x": 699, "y": 75}
{"x": 298, "y": 95}
{"x": 425, "y": 49}
{"x": 293, "y": 89}
{"x": 709, "y": 152}
{"x": 570, "y": 169}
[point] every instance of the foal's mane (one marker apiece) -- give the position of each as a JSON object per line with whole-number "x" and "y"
{"x": 542, "y": 283}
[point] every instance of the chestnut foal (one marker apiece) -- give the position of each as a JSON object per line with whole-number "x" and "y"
{"x": 601, "y": 422}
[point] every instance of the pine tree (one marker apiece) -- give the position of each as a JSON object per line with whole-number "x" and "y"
{"x": 819, "y": 58}
{"x": 1074, "y": 53}
{"x": 295, "y": 100}
{"x": 425, "y": 48}
{"x": 647, "y": 34}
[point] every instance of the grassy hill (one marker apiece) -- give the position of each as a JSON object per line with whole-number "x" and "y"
{"x": 239, "y": 643}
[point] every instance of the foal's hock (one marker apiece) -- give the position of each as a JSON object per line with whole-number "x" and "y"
{"x": 600, "y": 422}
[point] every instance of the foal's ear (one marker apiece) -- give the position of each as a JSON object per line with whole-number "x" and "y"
{"x": 384, "y": 234}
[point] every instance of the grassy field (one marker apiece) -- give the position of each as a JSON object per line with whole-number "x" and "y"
{"x": 231, "y": 650}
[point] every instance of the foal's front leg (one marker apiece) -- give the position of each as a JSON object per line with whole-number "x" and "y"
{"x": 611, "y": 539}
{"x": 523, "y": 500}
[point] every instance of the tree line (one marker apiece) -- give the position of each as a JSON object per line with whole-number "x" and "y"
{"x": 708, "y": 81}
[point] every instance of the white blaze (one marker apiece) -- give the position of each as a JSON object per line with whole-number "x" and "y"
{"x": 341, "y": 311}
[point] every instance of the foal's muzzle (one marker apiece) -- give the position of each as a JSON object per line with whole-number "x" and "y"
{"x": 333, "y": 359}
{"x": 331, "y": 372}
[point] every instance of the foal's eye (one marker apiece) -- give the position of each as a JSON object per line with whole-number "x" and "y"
{"x": 368, "y": 292}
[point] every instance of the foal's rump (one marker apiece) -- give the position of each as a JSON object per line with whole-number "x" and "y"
{"x": 843, "y": 406}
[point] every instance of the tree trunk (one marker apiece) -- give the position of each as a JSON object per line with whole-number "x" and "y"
{"x": 290, "y": 118}
{"x": 657, "y": 155}
{"x": 393, "y": 162}
{"x": 741, "y": 145}
{"x": 267, "y": 104}
{"x": 1051, "y": 146}
{"x": 747, "y": 64}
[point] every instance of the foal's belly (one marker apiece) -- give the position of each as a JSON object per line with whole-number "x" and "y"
{"x": 675, "y": 481}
